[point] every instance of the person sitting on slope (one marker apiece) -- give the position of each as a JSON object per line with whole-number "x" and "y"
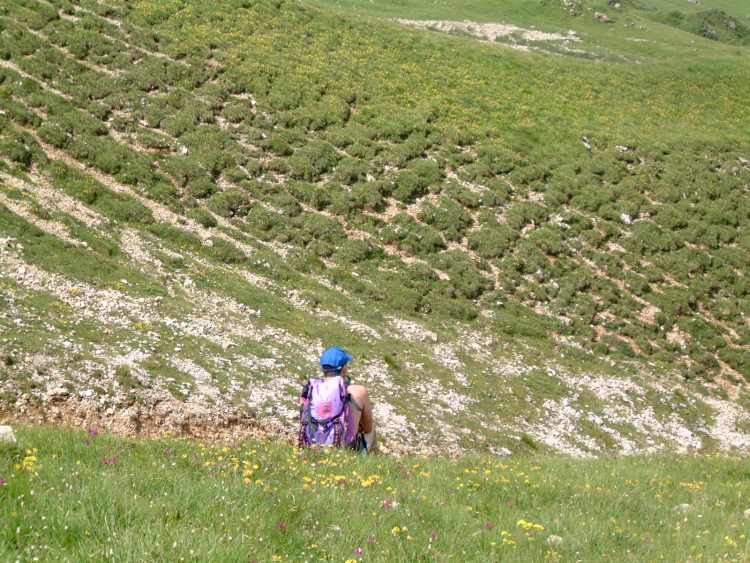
{"x": 320, "y": 425}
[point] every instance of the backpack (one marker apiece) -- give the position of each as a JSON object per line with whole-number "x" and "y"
{"x": 326, "y": 415}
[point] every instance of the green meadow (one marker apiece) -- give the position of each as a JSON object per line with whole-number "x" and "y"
{"x": 78, "y": 495}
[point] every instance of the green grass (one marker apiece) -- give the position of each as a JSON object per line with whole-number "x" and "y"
{"x": 589, "y": 192}
{"x": 76, "y": 496}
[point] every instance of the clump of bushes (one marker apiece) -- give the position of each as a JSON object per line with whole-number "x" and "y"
{"x": 465, "y": 279}
{"x": 411, "y": 237}
{"x": 449, "y": 218}
{"x": 230, "y": 203}
{"x": 312, "y": 160}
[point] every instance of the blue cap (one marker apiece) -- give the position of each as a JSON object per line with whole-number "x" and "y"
{"x": 335, "y": 357}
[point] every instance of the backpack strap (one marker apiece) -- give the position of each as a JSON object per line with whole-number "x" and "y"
{"x": 305, "y": 393}
{"x": 353, "y": 402}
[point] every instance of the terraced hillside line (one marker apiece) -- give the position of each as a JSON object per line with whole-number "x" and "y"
{"x": 70, "y": 56}
{"x": 46, "y": 194}
{"x": 15, "y": 68}
{"x": 161, "y": 212}
{"x": 116, "y": 23}
{"x": 51, "y": 227}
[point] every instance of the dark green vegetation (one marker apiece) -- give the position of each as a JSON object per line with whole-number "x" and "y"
{"x": 77, "y": 496}
{"x": 428, "y": 176}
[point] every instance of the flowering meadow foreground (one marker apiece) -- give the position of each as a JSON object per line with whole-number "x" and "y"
{"x": 81, "y": 496}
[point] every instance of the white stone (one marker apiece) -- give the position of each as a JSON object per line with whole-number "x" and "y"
{"x": 6, "y": 435}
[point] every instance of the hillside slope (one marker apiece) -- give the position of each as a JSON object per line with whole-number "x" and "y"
{"x": 522, "y": 250}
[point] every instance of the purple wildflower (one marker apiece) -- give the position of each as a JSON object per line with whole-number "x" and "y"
{"x": 168, "y": 451}
{"x": 489, "y": 525}
{"x": 370, "y": 539}
{"x": 2, "y": 481}
{"x": 282, "y": 526}
{"x": 93, "y": 432}
{"x": 87, "y": 442}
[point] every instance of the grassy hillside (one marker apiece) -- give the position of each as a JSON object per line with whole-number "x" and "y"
{"x": 541, "y": 249}
{"x": 86, "y": 495}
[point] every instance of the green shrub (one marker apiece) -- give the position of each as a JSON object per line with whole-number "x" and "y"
{"x": 354, "y": 251}
{"x": 463, "y": 195}
{"x": 368, "y": 198}
{"x": 449, "y": 218}
{"x": 287, "y": 204}
{"x": 446, "y": 305}
{"x": 428, "y": 170}
{"x": 312, "y": 160}
{"x": 263, "y": 221}
{"x": 277, "y": 144}
{"x": 408, "y": 186}
{"x": 350, "y": 170}
{"x": 653, "y": 238}
{"x": 225, "y": 251}
{"x": 499, "y": 159}
{"x": 638, "y": 285}
{"x": 329, "y": 110}
{"x": 707, "y": 334}
{"x": 201, "y": 187}
{"x": 343, "y": 200}
{"x": 675, "y": 301}
{"x": 237, "y": 112}
{"x": 230, "y": 203}
{"x": 411, "y": 237}
{"x": 549, "y": 240}
{"x": 363, "y": 151}
{"x": 184, "y": 169}
{"x": 525, "y": 212}
{"x": 203, "y": 217}
{"x": 315, "y": 227}
{"x": 465, "y": 278}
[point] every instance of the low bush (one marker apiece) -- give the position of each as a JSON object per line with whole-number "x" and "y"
{"x": 463, "y": 195}
{"x": 411, "y": 237}
{"x": 230, "y": 203}
{"x": 350, "y": 170}
{"x": 315, "y": 227}
{"x": 526, "y": 212}
{"x": 312, "y": 160}
{"x": 408, "y": 186}
{"x": 354, "y": 251}
{"x": 202, "y": 217}
{"x": 465, "y": 278}
{"x": 449, "y": 218}
{"x": 201, "y": 187}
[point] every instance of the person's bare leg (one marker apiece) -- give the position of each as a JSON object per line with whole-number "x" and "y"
{"x": 362, "y": 397}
